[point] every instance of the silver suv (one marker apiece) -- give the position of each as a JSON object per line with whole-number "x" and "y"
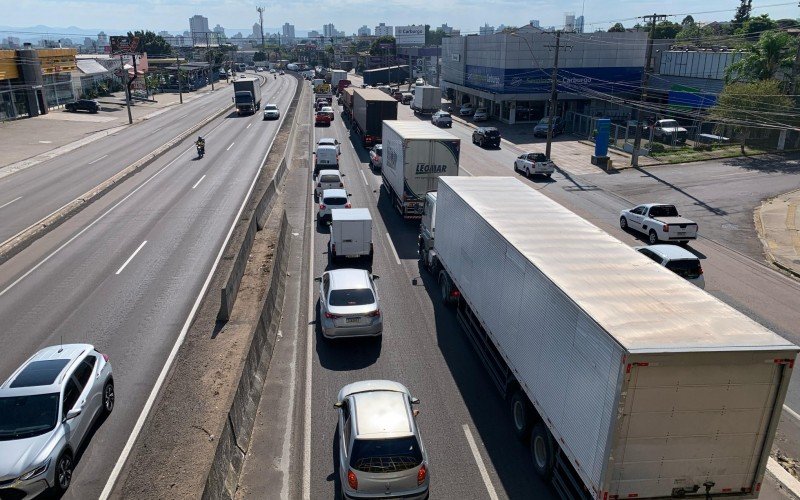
{"x": 47, "y": 408}
{"x": 380, "y": 447}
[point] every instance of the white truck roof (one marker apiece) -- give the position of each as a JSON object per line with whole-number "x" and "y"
{"x": 642, "y": 305}
{"x": 350, "y": 213}
{"x": 408, "y": 129}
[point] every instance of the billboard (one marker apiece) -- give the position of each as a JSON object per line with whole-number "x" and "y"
{"x": 409, "y": 35}
{"x": 124, "y": 44}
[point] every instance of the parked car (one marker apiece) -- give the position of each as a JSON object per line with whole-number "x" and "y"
{"x": 442, "y": 119}
{"x": 321, "y": 118}
{"x": 328, "y": 179}
{"x": 331, "y": 198}
{"x": 328, "y": 111}
{"x": 534, "y": 164}
{"x": 669, "y": 131}
{"x": 466, "y": 110}
{"x": 380, "y": 453}
{"x": 678, "y": 260}
{"x": 271, "y": 112}
{"x": 398, "y": 96}
{"x": 330, "y": 141}
{"x": 48, "y": 407}
{"x": 486, "y": 136}
{"x": 480, "y": 115}
{"x": 272, "y": 70}
{"x": 89, "y": 105}
{"x": 659, "y": 222}
{"x": 349, "y": 304}
{"x": 540, "y": 130}
{"x": 376, "y": 156}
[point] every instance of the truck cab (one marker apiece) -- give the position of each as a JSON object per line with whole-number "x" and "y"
{"x": 427, "y": 230}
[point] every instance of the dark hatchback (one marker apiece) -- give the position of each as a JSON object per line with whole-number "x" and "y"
{"x": 83, "y": 105}
{"x": 486, "y": 136}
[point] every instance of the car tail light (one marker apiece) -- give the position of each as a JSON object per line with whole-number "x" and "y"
{"x": 319, "y": 185}
{"x": 322, "y": 206}
{"x": 347, "y": 205}
{"x": 341, "y": 184}
{"x": 105, "y": 356}
{"x": 455, "y": 293}
{"x": 374, "y": 314}
{"x": 352, "y": 480}
{"x": 332, "y": 316}
{"x": 699, "y": 270}
{"x": 422, "y": 475}
{"x": 333, "y": 248}
{"x": 666, "y": 228}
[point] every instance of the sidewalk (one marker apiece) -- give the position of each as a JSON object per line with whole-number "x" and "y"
{"x": 29, "y": 137}
{"x": 777, "y": 224}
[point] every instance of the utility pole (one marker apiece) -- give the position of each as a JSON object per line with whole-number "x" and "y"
{"x": 553, "y": 92}
{"x": 127, "y": 87}
{"x": 637, "y": 141}
{"x": 210, "y": 58}
{"x": 180, "y": 85}
{"x": 261, "y": 22}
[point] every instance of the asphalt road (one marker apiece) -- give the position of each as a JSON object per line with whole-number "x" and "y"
{"x": 425, "y": 349}
{"x": 32, "y": 194}
{"x": 125, "y": 273}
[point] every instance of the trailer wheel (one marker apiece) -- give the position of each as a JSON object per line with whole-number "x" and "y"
{"x": 444, "y": 288}
{"x": 521, "y": 415}
{"x": 543, "y": 453}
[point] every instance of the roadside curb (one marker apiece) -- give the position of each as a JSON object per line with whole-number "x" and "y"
{"x": 759, "y": 223}
{"x": 783, "y": 477}
{"x": 26, "y": 237}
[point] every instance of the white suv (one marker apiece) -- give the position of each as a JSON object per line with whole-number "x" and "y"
{"x": 678, "y": 260}
{"x": 331, "y": 198}
{"x": 380, "y": 447}
{"x": 47, "y": 408}
{"x": 328, "y": 179}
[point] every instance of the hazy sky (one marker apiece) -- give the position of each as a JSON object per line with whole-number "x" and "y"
{"x": 349, "y": 15}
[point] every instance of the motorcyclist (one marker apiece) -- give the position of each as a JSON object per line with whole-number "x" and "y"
{"x": 201, "y": 144}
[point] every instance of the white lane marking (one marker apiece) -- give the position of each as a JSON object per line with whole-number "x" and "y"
{"x": 364, "y": 177}
{"x": 229, "y": 147}
{"x": 785, "y": 408}
{"x": 199, "y": 181}
{"x": 156, "y": 130}
{"x": 249, "y": 125}
{"x": 309, "y": 341}
{"x": 137, "y": 428}
{"x": 4, "y": 205}
{"x": 465, "y": 171}
{"x": 131, "y": 257}
{"x": 783, "y": 476}
{"x": 95, "y": 161}
{"x": 394, "y": 251}
{"x": 481, "y": 467}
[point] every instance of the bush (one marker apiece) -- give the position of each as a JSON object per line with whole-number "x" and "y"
{"x": 657, "y": 147}
{"x": 702, "y": 147}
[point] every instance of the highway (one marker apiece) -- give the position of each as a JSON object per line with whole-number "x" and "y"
{"x": 464, "y": 422}
{"x": 32, "y": 194}
{"x": 126, "y": 272}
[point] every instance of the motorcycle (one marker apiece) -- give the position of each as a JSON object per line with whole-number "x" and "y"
{"x": 201, "y": 150}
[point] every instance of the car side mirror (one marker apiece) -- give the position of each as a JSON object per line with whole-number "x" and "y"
{"x": 416, "y": 413}
{"x": 337, "y": 405}
{"x": 349, "y": 194}
{"x": 375, "y": 277}
{"x": 318, "y": 279}
{"x": 73, "y": 413}
{"x": 414, "y": 401}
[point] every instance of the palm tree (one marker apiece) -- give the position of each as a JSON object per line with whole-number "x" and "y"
{"x": 766, "y": 58}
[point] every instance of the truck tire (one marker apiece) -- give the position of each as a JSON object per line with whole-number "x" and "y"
{"x": 543, "y": 451}
{"x": 445, "y": 288}
{"x": 652, "y": 237}
{"x": 521, "y": 415}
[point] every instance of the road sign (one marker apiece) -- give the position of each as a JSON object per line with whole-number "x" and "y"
{"x": 124, "y": 44}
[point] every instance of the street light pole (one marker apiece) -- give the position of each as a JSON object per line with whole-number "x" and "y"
{"x": 180, "y": 85}
{"x": 553, "y": 97}
{"x": 637, "y": 140}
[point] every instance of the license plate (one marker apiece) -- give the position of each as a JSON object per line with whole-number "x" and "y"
{"x": 353, "y": 320}
{"x": 352, "y": 256}
{"x": 681, "y": 233}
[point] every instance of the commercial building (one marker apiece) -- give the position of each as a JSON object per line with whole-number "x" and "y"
{"x": 383, "y": 30}
{"x": 510, "y": 74}
{"x": 579, "y": 22}
{"x": 288, "y": 33}
{"x": 691, "y": 79}
{"x": 34, "y": 80}
{"x": 198, "y": 24}
{"x": 329, "y": 30}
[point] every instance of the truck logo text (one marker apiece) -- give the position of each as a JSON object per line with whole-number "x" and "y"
{"x": 423, "y": 168}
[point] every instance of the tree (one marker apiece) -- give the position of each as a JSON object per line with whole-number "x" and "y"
{"x": 375, "y": 49}
{"x": 742, "y": 106}
{"x": 693, "y": 34}
{"x": 742, "y": 13}
{"x": 259, "y": 56}
{"x": 753, "y": 27}
{"x": 153, "y": 44}
{"x": 687, "y": 21}
{"x": 786, "y": 23}
{"x": 771, "y": 55}
{"x": 435, "y": 37}
{"x": 617, "y": 28}
{"x": 666, "y": 30}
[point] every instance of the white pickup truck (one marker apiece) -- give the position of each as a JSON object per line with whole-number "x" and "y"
{"x": 659, "y": 222}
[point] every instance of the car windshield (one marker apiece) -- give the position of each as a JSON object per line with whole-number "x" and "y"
{"x": 544, "y": 121}
{"x": 688, "y": 268}
{"x": 385, "y": 455}
{"x": 480, "y": 110}
{"x": 270, "y": 107}
{"x": 444, "y": 115}
{"x": 27, "y": 416}
{"x": 351, "y": 297}
{"x": 329, "y": 178}
{"x": 491, "y": 132}
{"x": 335, "y": 200}
{"x": 669, "y": 123}
{"x": 378, "y": 150}
{"x": 663, "y": 211}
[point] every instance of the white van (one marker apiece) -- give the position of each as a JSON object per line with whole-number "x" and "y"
{"x": 351, "y": 235}
{"x": 325, "y": 158}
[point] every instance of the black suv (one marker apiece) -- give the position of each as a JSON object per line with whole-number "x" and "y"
{"x": 83, "y": 105}
{"x": 486, "y": 136}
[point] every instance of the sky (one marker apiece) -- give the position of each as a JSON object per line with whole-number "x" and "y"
{"x": 349, "y": 15}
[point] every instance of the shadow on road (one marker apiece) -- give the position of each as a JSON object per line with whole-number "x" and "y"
{"x": 697, "y": 201}
{"x": 334, "y": 476}
{"x": 403, "y": 232}
{"x": 783, "y": 164}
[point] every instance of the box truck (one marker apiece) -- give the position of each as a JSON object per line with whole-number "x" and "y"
{"x": 625, "y": 380}
{"x": 370, "y": 108}
{"x": 427, "y": 99}
{"x": 247, "y": 95}
{"x": 415, "y": 155}
{"x": 351, "y": 235}
{"x": 337, "y": 75}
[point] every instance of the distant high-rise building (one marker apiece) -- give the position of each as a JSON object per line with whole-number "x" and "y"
{"x": 579, "y": 24}
{"x": 313, "y": 34}
{"x": 329, "y": 30}
{"x": 383, "y": 30}
{"x": 535, "y": 23}
{"x": 102, "y": 39}
{"x": 486, "y": 29}
{"x": 12, "y": 42}
{"x": 364, "y": 31}
{"x": 219, "y": 30}
{"x": 187, "y": 34}
{"x": 164, "y": 33}
{"x": 569, "y": 21}
{"x": 288, "y": 33}
{"x": 446, "y": 29}
{"x": 198, "y": 26}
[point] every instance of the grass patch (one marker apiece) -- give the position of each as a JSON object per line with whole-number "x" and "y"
{"x": 687, "y": 153}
